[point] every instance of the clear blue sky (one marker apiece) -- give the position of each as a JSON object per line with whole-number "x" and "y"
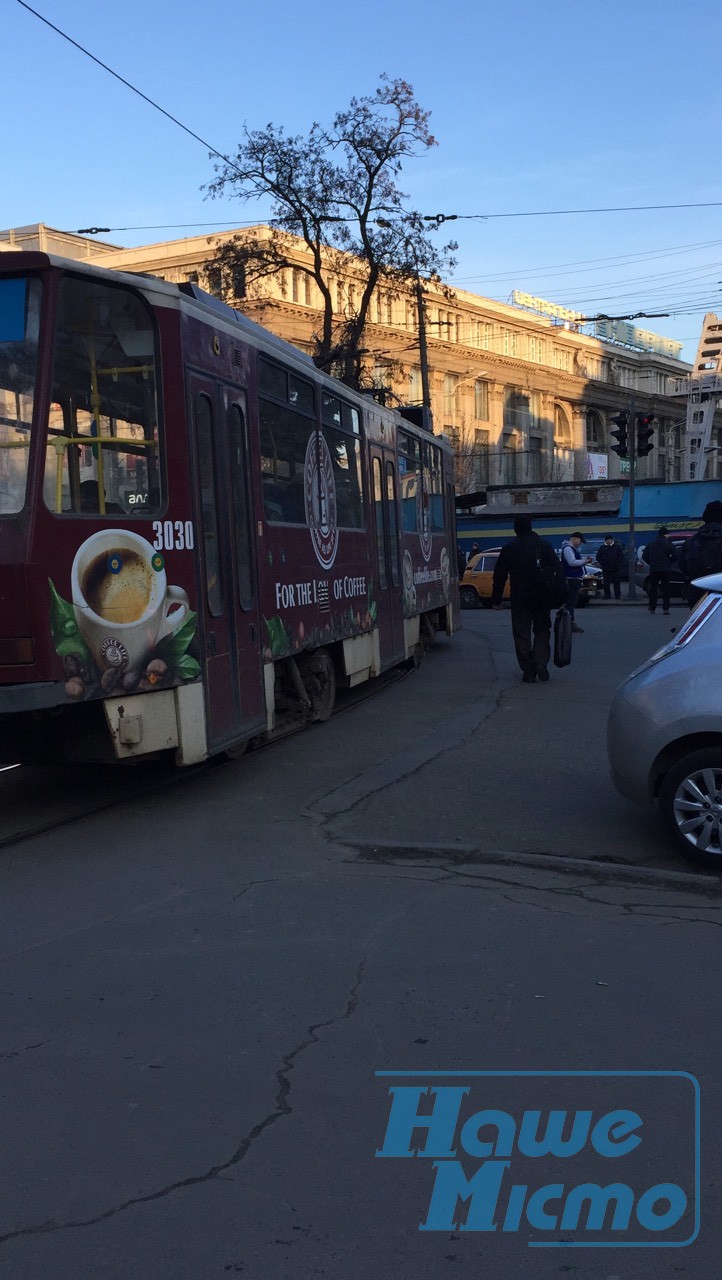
{"x": 536, "y": 106}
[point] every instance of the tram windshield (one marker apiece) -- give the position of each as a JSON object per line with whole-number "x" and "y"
{"x": 102, "y": 454}
{"x": 19, "y": 331}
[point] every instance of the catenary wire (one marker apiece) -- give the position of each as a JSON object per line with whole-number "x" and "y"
{"x": 438, "y": 218}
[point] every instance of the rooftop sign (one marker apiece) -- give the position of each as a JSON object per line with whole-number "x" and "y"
{"x": 628, "y": 334}
{"x": 544, "y": 308}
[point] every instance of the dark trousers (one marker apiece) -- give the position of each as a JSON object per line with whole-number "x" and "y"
{"x": 611, "y": 580}
{"x": 659, "y": 581}
{"x": 574, "y": 586}
{"x": 525, "y": 619}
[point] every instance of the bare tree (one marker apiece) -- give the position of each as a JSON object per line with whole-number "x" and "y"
{"x": 337, "y": 189}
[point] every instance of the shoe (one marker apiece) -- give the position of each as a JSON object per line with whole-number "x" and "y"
{"x": 651, "y": 610}
{"x": 529, "y": 677}
{"x": 665, "y": 612}
{"x": 542, "y": 674}
{"x": 578, "y": 631}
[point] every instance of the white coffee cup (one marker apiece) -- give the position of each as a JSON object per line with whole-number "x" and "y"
{"x": 123, "y": 604}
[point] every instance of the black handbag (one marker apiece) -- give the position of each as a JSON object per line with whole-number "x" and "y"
{"x": 562, "y": 639}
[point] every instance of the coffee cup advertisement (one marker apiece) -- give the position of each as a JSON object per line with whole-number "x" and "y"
{"x": 125, "y": 628}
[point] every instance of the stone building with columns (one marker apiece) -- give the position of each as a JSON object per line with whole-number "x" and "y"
{"x": 525, "y": 396}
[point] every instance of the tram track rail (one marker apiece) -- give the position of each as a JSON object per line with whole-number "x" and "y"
{"x": 40, "y": 784}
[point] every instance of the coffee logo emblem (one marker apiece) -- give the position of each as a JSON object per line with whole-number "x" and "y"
{"x": 113, "y": 653}
{"x": 320, "y": 500}
{"x": 445, "y": 568}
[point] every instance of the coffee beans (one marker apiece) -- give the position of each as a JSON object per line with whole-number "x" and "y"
{"x": 109, "y": 679}
{"x": 71, "y": 665}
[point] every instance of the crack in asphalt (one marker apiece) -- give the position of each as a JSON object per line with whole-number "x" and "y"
{"x": 460, "y": 878}
{"x": 282, "y": 1108}
{"x": 15, "y": 1053}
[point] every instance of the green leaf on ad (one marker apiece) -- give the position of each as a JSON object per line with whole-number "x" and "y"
{"x": 172, "y": 648}
{"x": 278, "y": 637}
{"x": 188, "y": 668}
{"x": 64, "y": 628}
{"x": 373, "y": 610}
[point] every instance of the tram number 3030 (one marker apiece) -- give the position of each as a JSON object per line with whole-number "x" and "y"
{"x": 173, "y": 535}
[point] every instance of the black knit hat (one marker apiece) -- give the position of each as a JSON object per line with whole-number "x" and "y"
{"x": 522, "y": 525}
{"x": 712, "y": 513}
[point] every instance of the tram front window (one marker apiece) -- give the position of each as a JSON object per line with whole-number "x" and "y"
{"x": 19, "y": 330}
{"x": 102, "y": 453}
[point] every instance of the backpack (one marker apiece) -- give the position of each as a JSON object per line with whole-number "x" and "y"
{"x": 701, "y": 556}
{"x": 549, "y": 583}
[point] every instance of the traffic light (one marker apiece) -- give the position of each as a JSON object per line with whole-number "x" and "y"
{"x": 620, "y": 435}
{"x": 645, "y": 431}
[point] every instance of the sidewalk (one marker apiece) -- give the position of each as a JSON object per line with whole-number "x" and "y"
{"x": 640, "y": 599}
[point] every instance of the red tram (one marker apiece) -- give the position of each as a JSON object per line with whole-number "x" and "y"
{"x": 201, "y": 535}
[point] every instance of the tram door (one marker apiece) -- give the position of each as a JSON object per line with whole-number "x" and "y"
{"x": 388, "y": 572}
{"x": 228, "y": 603}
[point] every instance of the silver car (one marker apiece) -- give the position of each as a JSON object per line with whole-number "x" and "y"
{"x": 664, "y": 735}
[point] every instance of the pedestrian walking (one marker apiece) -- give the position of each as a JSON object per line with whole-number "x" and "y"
{"x": 475, "y": 550}
{"x": 460, "y": 560}
{"x": 574, "y": 565}
{"x": 661, "y": 557}
{"x": 702, "y": 553}
{"x": 610, "y": 558}
{"x": 521, "y": 560}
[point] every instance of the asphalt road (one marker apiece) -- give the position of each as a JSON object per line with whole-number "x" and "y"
{"x": 199, "y": 985}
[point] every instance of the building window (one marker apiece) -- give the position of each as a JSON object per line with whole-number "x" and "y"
{"x": 416, "y": 393}
{"x": 517, "y": 409}
{"x": 534, "y": 460}
{"x": 481, "y": 400}
{"x": 450, "y": 386}
{"x": 595, "y": 444}
{"x": 215, "y": 281}
{"x": 509, "y": 459}
{"x": 508, "y": 337}
{"x": 481, "y": 459}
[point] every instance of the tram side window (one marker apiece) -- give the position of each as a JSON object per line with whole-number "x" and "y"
{"x": 393, "y": 529}
{"x": 287, "y": 421}
{"x": 345, "y": 450}
{"x": 19, "y": 331}
{"x": 434, "y": 485}
{"x": 209, "y": 515}
{"x": 103, "y": 448}
{"x": 409, "y": 481}
{"x": 380, "y": 536}
{"x": 241, "y": 513}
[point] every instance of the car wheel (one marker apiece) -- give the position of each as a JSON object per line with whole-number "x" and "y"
{"x": 690, "y": 802}
{"x": 468, "y": 597}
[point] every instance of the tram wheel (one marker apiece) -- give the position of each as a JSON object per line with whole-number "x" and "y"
{"x": 319, "y": 679}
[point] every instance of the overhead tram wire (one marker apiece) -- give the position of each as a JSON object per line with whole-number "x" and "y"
{"x": 438, "y": 218}
{"x": 128, "y": 85}
{"x": 593, "y": 264}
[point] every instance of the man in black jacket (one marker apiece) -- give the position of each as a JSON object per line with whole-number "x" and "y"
{"x": 519, "y": 561}
{"x": 610, "y": 558}
{"x": 702, "y": 553}
{"x": 661, "y": 557}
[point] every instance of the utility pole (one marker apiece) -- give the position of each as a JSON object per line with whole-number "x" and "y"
{"x": 426, "y": 418}
{"x": 631, "y": 545}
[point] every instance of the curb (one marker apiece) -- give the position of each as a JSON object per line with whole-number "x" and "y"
{"x": 461, "y": 854}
